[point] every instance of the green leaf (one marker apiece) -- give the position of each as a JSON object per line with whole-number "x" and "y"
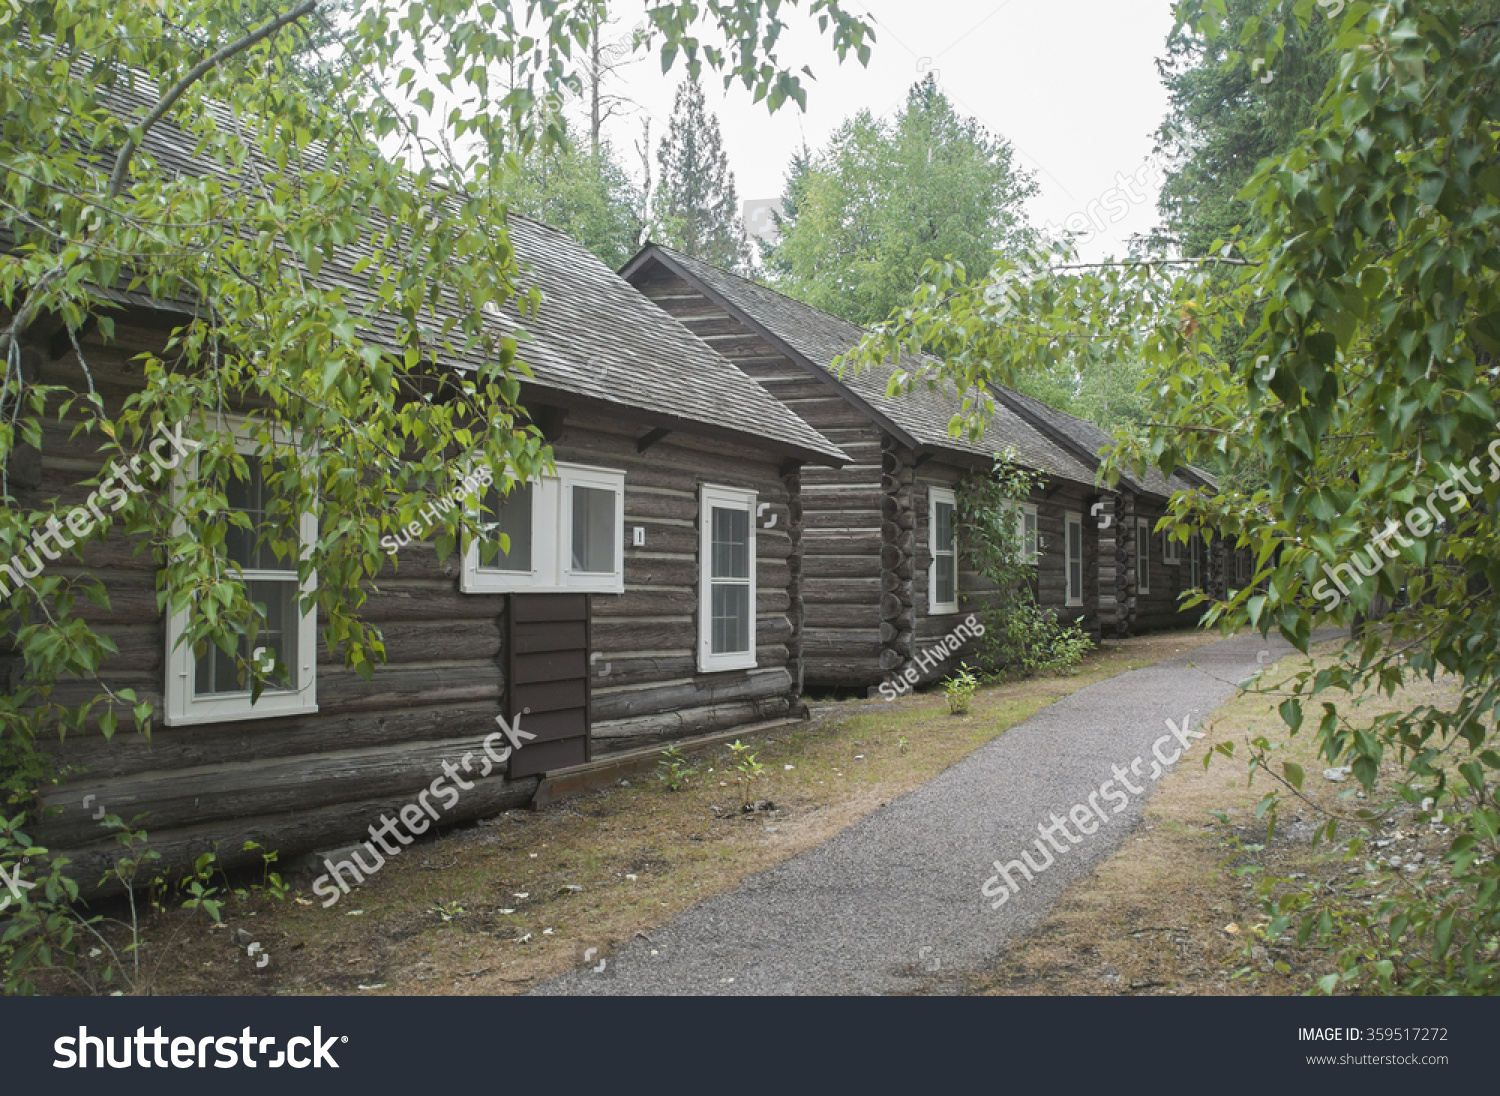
{"x": 1442, "y": 936}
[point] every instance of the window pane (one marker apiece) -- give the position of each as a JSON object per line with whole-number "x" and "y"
{"x": 943, "y": 523}
{"x": 216, "y": 673}
{"x": 731, "y": 543}
{"x": 593, "y": 530}
{"x": 1075, "y": 560}
{"x": 1028, "y": 540}
{"x": 512, "y": 516}
{"x": 947, "y": 580}
{"x": 251, "y": 548}
{"x": 730, "y": 608}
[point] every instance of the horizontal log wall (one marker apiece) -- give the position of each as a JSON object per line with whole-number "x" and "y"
{"x": 298, "y": 782}
{"x": 1053, "y": 505}
{"x": 841, "y": 539}
{"x": 1162, "y": 608}
{"x": 975, "y": 592}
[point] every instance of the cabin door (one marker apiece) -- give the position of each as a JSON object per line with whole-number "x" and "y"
{"x": 549, "y": 637}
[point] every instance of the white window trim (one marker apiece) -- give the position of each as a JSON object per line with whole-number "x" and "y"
{"x": 476, "y": 578}
{"x": 1073, "y": 598}
{"x": 1171, "y": 549}
{"x": 1021, "y": 511}
{"x": 577, "y": 475}
{"x": 936, "y": 495}
{"x": 552, "y": 539}
{"x": 1142, "y": 555}
{"x": 723, "y": 498}
{"x": 183, "y": 709}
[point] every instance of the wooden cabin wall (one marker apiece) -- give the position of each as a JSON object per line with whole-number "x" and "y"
{"x": 843, "y": 509}
{"x": 298, "y": 782}
{"x": 648, "y": 636}
{"x": 1162, "y": 609}
{"x": 1108, "y": 537}
{"x": 1053, "y": 504}
{"x": 976, "y": 594}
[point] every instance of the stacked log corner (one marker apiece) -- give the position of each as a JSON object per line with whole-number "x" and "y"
{"x": 795, "y": 613}
{"x": 1109, "y": 536}
{"x": 1125, "y": 580}
{"x": 897, "y": 559}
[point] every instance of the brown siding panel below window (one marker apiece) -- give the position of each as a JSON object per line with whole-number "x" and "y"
{"x": 548, "y": 675}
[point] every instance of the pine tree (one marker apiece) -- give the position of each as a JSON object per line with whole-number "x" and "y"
{"x": 696, "y": 208}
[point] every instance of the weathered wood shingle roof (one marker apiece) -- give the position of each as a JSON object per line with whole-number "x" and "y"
{"x": 595, "y": 338}
{"x": 1089, "y": 440}
{"x": 599, "y": 337}
{"x": 816, "y": 338}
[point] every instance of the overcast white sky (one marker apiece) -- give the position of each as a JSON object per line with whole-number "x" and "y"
{"x": 1072, "y": 84}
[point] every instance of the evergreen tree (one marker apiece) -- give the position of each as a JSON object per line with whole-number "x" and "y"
{"x": 1226, "y": 118}
{"x": 885, "y": 197}
{"x": 588, "y": 196}
{"x": 696, "y": 208}
{"x": 798, "y": 172}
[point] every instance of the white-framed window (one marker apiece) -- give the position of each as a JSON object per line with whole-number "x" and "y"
{"x": 1242, "y": 566}
{"x": 1195, "y": 563}
{"x": 726, "y": 588}
{"x": 1025, "y": 518}
{"x": 565, "y": 532}
{"x": 942, "y": 542}
{"x": 1142, "y": 556}
{"x": 213, "y": 687}
{"x": 1073, "y": 556}
{"x": 1171, "y": 549}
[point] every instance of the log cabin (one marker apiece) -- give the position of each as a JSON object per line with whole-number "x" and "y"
{"x": 652, "y": 591}
{"x": 1143, "y": 572}
{"x": 885, "y": 579}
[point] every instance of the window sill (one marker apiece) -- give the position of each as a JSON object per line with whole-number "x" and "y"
{"x": 256, "y": 711}
{"x": 516, "y": 583}
{"x": 496, "y": 582}
{"x": 720, "y": 664}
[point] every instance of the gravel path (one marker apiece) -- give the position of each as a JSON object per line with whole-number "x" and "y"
{"x": 894, "y": 904}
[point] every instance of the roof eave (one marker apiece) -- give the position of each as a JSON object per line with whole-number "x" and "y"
{"x": 833, "y": 457}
